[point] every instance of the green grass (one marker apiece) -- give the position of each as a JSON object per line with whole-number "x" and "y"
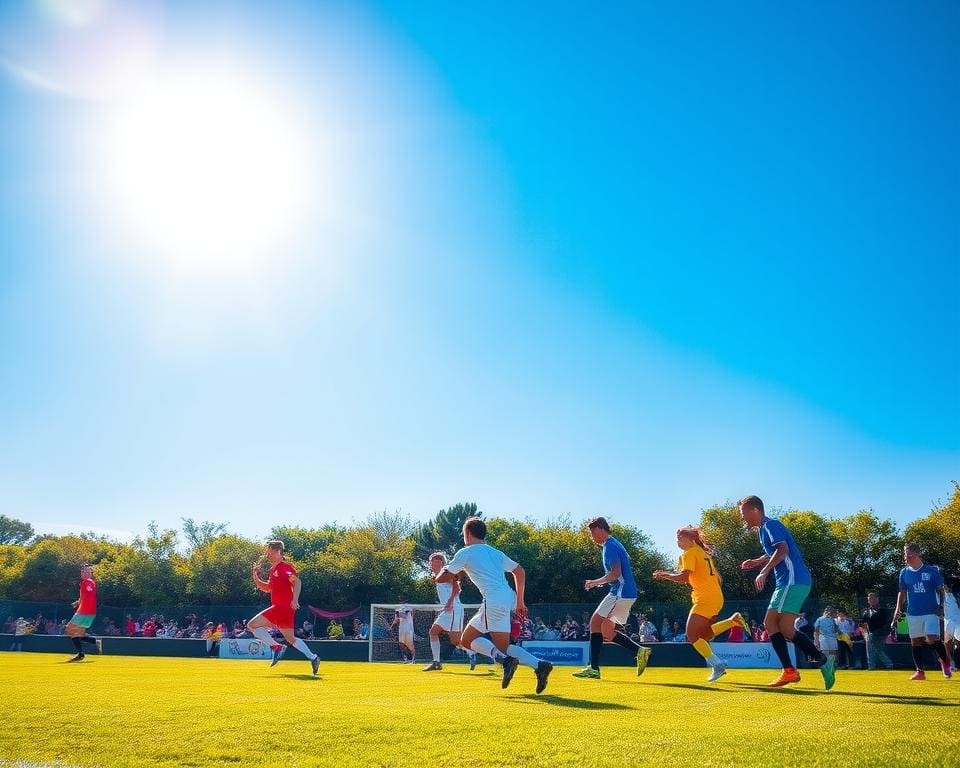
{"x": 142, "y": 711}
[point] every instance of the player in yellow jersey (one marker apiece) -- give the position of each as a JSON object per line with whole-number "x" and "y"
{"x": 697, "y": 569}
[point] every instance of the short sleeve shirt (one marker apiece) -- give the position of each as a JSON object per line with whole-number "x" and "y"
{"x": 282, "y": 576}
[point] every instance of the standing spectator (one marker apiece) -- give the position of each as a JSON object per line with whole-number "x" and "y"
{"x": 845, "y": 627}
{"x": 665, "y": 630}
{"x": 19, "y": 630}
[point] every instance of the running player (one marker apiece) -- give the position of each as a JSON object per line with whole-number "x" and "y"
{"x": 283, "y": 586}
{"x": 486, "y": 567}
{"x": 403, "y": 620}
{"x": 450, "y": 619}
{"x": 614, "y": 609}
{"x": 696, "y": 568}
{"x": 921, "y": 585}
{"x": 951, "y": 619}
{"x": 86, "y": 607}
{"x": 793, "y": 583}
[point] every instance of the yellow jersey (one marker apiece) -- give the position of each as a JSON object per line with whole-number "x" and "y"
{"x": 704, "y": 579}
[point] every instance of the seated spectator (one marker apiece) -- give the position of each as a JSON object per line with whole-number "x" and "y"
{"x": 334, "y": 630}
{"x": 150, "y": 629}
{"x": 569, "y": 630}
{"x": 679, "y": 635}
{"x": 666, "y": 631}
{"x": 360, "y": 630}
{"x": 527, "y": 629}
{"x": 539, "y": 629}
{"x": 212, "y": 635}
{"x": 585, "y": 627}
{"x": 131, "y": 626}
{"x": 304, "y": 631}
{"x": 646, "y": 630}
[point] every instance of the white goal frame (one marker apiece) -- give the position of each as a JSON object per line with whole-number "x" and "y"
{"x": 468, "y": 610}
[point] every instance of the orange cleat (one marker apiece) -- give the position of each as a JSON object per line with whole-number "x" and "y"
{"x": 787, "y": 676}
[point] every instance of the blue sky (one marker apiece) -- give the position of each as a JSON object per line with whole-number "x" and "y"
{"x": 557, "y": 260}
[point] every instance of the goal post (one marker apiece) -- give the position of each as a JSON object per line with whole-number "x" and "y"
{"x": 383, "y": 642}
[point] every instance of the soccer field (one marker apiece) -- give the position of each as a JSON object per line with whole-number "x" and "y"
{"x": 145, "y": 711}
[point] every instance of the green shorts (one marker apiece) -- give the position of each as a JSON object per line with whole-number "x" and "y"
{"x": 789, "y": 599}
{"x": 84, "y": 620}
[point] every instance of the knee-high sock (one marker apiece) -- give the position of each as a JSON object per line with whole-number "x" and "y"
{"x": 523, "y": 656}
{"x": 779, "y": 643}
{"x": 941, "y": 650}
{"x": 917, "y": 651}
{"x": 88, "y": 639}
{"x": 303, "y": 648}
{"x": 722, "y": 626}
{"x": 596, "y": 646}
{"x": 264, "y": 636}
{"x": 805, "y": 644}
{"x": 487, "y": 648}
{"x": 623, "y": 641}
{"x": 76, "y": 644}
{"x": 703, "y": 648}
{"x": 435, "y": 648}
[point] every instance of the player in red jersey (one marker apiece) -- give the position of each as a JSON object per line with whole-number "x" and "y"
{"x": 284, "y": 588}
{"x": 86, "y": 606}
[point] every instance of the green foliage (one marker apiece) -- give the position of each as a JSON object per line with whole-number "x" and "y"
{"x": 219, "y": 571}
{"x": 868, "y": 553}
{"x": 198, "y": 534}
{"x": 445, "y": 532}
{"x": 734, "y": 543}
{"x": 13, "y": 531}
{"x": 939, "y": 533}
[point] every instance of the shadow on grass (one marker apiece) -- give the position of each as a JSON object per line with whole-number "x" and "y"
{"x": 879, "y": 698}
{"x": 560, "y": 701}
{"x": 303, "y": 676}
{"x": 694, "y": 687}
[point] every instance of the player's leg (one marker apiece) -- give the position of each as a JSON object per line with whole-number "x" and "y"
{"x": 932, "y": 627}
{"x": 719, "y": 627}
{"x": 259, "y": 626}
{"x": 435, "y": 630}
{"x": 699, "y": 633}
{"x": 300, "y": 645}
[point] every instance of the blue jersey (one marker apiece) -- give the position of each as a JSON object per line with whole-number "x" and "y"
{"x": 613, "y": 552}
{"x": 921, "y": 586}
{"x": 791, "y": 570}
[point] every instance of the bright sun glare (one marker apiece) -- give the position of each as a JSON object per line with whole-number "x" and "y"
{"x": 209, "y": 171}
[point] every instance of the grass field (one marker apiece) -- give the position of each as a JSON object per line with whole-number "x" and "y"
{"x": 144, "y": 711}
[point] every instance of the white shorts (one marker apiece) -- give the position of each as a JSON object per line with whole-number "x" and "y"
{"x": 450, "y": 621}
{"x": 617, "y": 609}
{"x": 405, "y": 637}
{"x": 951, "y": 629}
{"x": 492, "y": 617}
{"x": 828, "y": 643}
{"x": 924, "y": 626}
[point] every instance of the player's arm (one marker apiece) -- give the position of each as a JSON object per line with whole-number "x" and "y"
{"x": 520, "y": 579}
{"x": 775, "y": 559}
{"x": 942, "y": 596}
{"x": 297, "y": 586}
{"x": 612, "y": 575}
{"x": 263, "y": 586}
{"x": 680, "y": 577}
{"x": 445, "y": 576}
{"x": 898, "y": 611}
{"x": 757, "y": 562}
{"x": 453, "y": 595}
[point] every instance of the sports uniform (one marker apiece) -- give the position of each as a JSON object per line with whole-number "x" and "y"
{"x": 615, "y": 606}
{"x": 706, "y": 593}
{"x": 921, "y": 585}
{"x": 404, "y": 616}
{"x": 793, "y": 581}
{"x": 486, "y": 567}
{"x": 281, "y": 613}
{"x": 828, "y": 630}
{"x": 87, "y": 610}
{"x": 452, "y": 620}
{"x": 951, "y": 617}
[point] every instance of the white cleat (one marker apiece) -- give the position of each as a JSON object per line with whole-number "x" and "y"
{"x": 718, "y": 671}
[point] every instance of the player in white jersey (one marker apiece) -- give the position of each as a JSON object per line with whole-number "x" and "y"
{"x": 951, "y": 619}
{"x": 403, "y": 620}
{"x": 487, "y": 568}
{"x": 450, "y": 618}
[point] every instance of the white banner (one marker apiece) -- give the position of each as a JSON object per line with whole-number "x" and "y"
{"x": 562, "y": 653}
{"x": 751, "y": 655}
{"x": 244, "y": 648}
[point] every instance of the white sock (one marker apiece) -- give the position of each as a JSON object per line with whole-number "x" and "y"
{"x": 523, "y": 656}
{"x": 303, "y": 648}
{"x": 714, "y": 660}
{"x": 435, "y": 648}
{"x": 484, "y": 646}
{"x": 263, "y": 635}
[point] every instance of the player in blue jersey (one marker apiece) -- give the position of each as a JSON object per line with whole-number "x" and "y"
{"x": 615, "y": 607}
{"x": 793, "y": 583}
{"x": 921, "y": 585}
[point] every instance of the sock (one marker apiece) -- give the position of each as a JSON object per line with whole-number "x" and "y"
{"x": 941, "y": 651}
{"x": 76, "y": 644}
{"x": 596, "y": 645}
{"x": 484, "y": 646}
{"x": 93, "y": 641}
{"x": 523, "y": 656}
{"x": 623, "y": 641}
{"x": 779, "y": 643}
{"x": 702, "y": 647}
{"x": 264, "y": 636}
{"x": 435, "y": 648}
{"x": 303, "y": 648}
{"x": 917, "y": 657}
{"x": 805, "y": 644}
{"x": 722, "y": 626}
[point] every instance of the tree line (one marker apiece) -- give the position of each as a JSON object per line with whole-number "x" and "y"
{"x": 384, "y": 556}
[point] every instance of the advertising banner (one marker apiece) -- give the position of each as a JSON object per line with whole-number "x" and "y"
{"x": 559, "y": 652}
{"x": 244, "y": 648}
{"x": 750, "y": 655}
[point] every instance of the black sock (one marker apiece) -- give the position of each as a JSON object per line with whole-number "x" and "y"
{"x": 917, "y": 656}
{"x": 88, "y": 639}
{"x": 809, "y": 649}
{"x": 779, "y": 643}
{"x": 76, "y": 644}
{"x": 623, "y": 641}
{"x": 941, "y": 650}
{"x": 596, "y": 645}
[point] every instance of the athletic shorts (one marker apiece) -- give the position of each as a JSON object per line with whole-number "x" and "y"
{"x": 789, "y": 599}
{"x": 450, "y": 621}
{"x": 84, "y": 620}
{"x": 951, "y": 629}
{"x": 828, "y": 643}
{"x": 923, "y": 626}
{"x": 405, "y": 637}
{"x": 280, "y": 616}
{"x": 492, "y": 617}
{"x": 709, "y": 609}
{"x": 617, "y": 609}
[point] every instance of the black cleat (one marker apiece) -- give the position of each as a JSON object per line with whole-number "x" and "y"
{"x": 78, "y": 657}
{"x": 315, "y": 663}
{"x": 510, "y": 665}
{"x": 544, "y": 668}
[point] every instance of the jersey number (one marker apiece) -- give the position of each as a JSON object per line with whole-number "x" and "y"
{"x": 709, "y": 565}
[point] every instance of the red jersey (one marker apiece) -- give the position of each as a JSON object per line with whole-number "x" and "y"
{"x": 281, "y": 580}
{"x": 88, "y": 598}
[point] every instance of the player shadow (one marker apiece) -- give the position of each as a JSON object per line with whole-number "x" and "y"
{"x": 878, "y": 698}
{"x": 302, "y": 676}
{"x": 694, "y": 687}
{"x": 561, "y": 701}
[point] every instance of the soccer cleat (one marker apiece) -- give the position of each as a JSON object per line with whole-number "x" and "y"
{"x": 588, "y": 673}
{"x": 918, "y": 675}
{"x": 78, "y": 657}
{"x": 433, "y": 666}
{"x": 510, "y": 665}
{"x": 544, "y": 668}
{"x": 718, "y": 671}
{"x": 100, "y": 646}
{"x": 828, "y": 672}
{"x": 946, "y": 670}
{"x": 738, "y": 618}
{"x": 787, "y": 676}
{"x": 473, "y": 661}
{"x": 315, "y": 663}
{"x": 278, "y": 651}
{"x": 643, "y": 656}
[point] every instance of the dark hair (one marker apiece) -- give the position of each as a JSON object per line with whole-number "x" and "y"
{"x": 912, "y": 546}
{"x": 753, "y": 502}
{"x": 476, "y": 527}
{"x": 276, "y": 544}
{"x": 599, "y": 522}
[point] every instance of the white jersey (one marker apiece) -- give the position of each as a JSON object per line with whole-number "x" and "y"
{"x": 443, "y": 595}
{"x": 405, "y": 615}
{"x": 951, "y": 611}
{"x": 486, "y": 567}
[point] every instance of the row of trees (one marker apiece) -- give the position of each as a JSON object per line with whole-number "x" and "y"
{"x": 385, "y": 556}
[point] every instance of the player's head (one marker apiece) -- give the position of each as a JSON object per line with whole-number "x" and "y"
{"x": 274, "y": 550}
{"x": 474, "y": 529}
{"x": 690, "y": 535}
{"x": 437, "y": 561}
{"x": 599, "y": 529}
{"x": 751, "y": 511}
{"x": 911, "y": 554}
{"x": 86, "y": 571}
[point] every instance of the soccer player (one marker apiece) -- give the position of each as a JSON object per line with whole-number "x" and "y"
{"x": 696, "y": 568}
{"x": 403, "y": 620}
{"x": 921, "y": 586}
{"x": 951, "y": 618}
{"x": 486, "y": 568}
{"x": 614, "y": 609}
{"x": 86, "y": 607}
{"x": 284, "y": 586}
{"x": 793, "y": 583}
{"x": 450, "y": 619}
{"x": 826, "y": 632}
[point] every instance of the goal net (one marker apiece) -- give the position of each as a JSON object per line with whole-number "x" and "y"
{"x": 383, "y": 640}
